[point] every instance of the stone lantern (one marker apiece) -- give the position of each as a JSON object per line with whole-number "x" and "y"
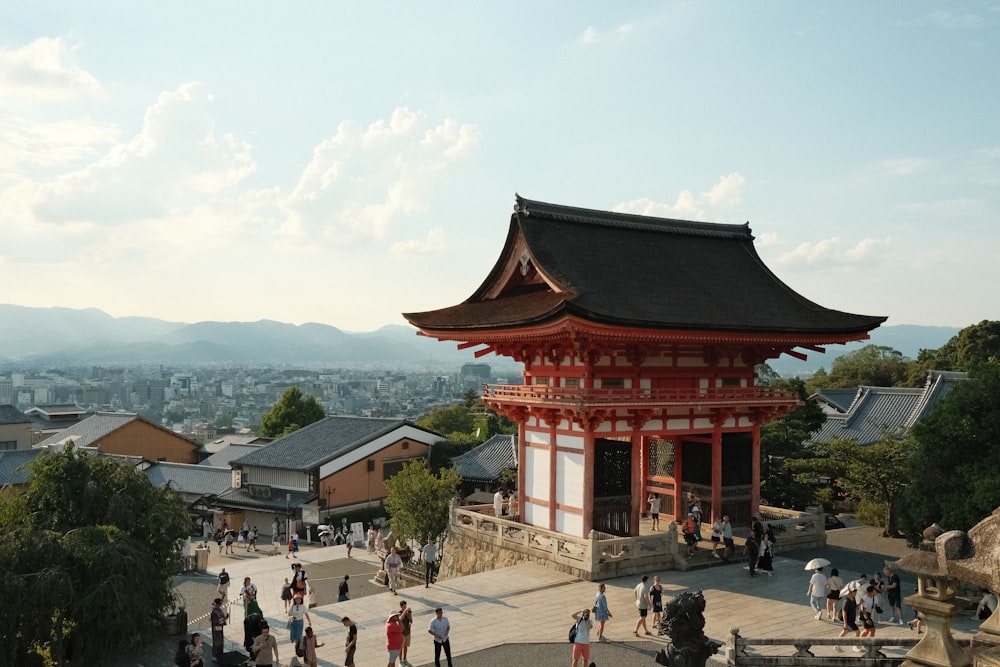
{"x": 942, "y": 561}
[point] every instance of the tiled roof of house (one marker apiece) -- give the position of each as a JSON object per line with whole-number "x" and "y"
{"x": 189, "y": 478}
{"x": 633, "y": 270}
{"x": 89, "y": 431}
{"x": 277, "y": 503}
{"x": 487, "y": 461}
{"x": 320, "y": 442}
{"x": 11, "y": 415}
{"x": 877, "y": 410}
{"x": 11, "y": 461}
{"x": 228, "y": 454}
{"x": 838, "y": 398}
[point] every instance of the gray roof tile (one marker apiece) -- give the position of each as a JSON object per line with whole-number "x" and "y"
{"x": 11, "y": 415}
{"x": 190, "y": 478}
{"x": 489, "y": 459}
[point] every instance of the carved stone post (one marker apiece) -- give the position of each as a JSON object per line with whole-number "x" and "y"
{"x": 938, "y": 648}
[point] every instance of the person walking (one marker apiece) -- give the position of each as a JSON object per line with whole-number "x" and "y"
{"x": 716, "y": 537}
{"x": 352, "y": 641}
{"x": 296, "y": 613}
{"x": 286, "y": 593}
{"x": 393, "y": 566}
{"x": 344, "y": 589}
{"x": 300, "y": 580}
{"x": 727, "y": 538}
{"x": 264, "y": 645}
{"x": 440, "y": 629}
{"x": 406, "y": 624}
{"x": 656, "y": 599}
{"x": 371, "y": 538}
{"x": 223, "y": 584}
{"x": 894, "y": 595}
{"x": 817, "y": 592}
{"x": 393, "y": 638}
{"x": 752, "y": 552}
{"x": 219, "y": 619}
{"x": 833, "y": 585}
{"x": 248, "y": 593}
{"x": 690, "y": 529}
{"x": 654, "y": 509}
{"x": 848, "y": 615}
{"x": 581, "y": 641}
{"x": 349, "y": 541}
{"x": 310, "y": 642}
{"x": 879, "y": 585}
{"x": 601, "y": 612}
{"x": 430, "y": 557}
{"x": 641, "y": 592}
{"x": 866, "y": 612}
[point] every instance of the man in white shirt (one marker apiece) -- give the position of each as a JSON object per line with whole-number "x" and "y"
{"x": 498, "y": 503}
{"x": 439, "y": 629}
{"x": 817, "y": 592}
{"x": 641, "y": 592}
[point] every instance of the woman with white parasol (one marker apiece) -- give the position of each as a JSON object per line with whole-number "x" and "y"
{"x": 817, "y": 586}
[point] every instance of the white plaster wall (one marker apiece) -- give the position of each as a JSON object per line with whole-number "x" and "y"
{"x": 703, "y": 424}
{"x": 535, "y": 515}
{"x": 569, "y": 466}
{"x": 536, "y": 473}
{"x": 536, "y": 437}
{"x": 571, "y": 441}
{"x": 569, "y": 523}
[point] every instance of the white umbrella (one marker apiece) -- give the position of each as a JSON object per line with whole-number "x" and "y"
{"x": 816, "y": 563}
{"x": 851, "y": 586}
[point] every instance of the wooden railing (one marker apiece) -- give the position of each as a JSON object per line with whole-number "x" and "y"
{"x": 802, "y": 652}
{"x": 614, "y": 396}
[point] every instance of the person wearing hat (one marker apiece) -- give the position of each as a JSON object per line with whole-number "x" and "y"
{"x": 264, "y": 645}
{"x": 393, "y": 637}
{"x": 296, "y": 613}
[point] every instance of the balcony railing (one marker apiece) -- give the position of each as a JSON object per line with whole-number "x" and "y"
{"x": 618, "y": 396}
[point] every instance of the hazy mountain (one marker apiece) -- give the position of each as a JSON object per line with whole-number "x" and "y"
{"x": 65, "y": 336}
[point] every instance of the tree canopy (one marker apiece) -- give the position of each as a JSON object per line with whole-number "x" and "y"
{"x": 290, "y": 414}
{"x": 955, "y": 468}
{"x": 782, "y": 439}
{"x": 88, "y": 552}
{"x": 872, "y": 365}
{"x": 418, "y": 500}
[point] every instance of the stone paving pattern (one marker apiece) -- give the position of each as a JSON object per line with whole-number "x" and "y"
{"x": 521, "y": 615}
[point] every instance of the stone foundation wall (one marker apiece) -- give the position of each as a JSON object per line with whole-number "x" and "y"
{"x": 466, "y": 554}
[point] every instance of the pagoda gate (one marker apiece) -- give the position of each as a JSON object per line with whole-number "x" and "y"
{"x": 639, "y": 338}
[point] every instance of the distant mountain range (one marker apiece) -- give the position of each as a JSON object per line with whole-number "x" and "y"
{"x": 70, "y": 337}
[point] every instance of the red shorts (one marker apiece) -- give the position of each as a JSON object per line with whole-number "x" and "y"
{"x": 581, "y": 651}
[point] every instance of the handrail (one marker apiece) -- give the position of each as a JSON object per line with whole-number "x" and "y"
{"x": 619, "y": 395}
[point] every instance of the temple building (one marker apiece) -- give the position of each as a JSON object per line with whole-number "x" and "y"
{"x": 639, "y": 338}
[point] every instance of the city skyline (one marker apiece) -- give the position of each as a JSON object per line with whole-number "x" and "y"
{"x": 347, "y": 163}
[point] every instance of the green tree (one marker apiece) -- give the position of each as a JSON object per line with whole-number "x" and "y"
{"x": 785, "y": 438}
{"x": 874, "y": 475}
{"x": 418, "y": 500}
{"x": 456, "y": 422}
{"x": 872, "y": 365}
{"x": 290, "y": 414}
{"x": 972, "y": 346}
{"x": 955, "y": 469}
{"x": 88, "y": 553}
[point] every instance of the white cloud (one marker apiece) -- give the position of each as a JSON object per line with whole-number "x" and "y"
{"x": 589, "y": 36}
{"x": 831, "y": 253}
{"x": 39, "y": 72}
{"x": 432, "y": 243}
{"x": 721, "y": 198}
{"x": 26, "y": 145}
{"x": 592, "y": 35}
{"x": 361, "y": 181}
{"x": 903, "y": 166}
{"x": 176, "y": 161}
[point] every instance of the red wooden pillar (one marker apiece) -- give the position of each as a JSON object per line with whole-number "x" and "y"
{"x": 716, "y": 473}
{"x": 680, "y": 506}
{"x": 588, "y": 482}
{"x": 638, "y": 481}
{"x": 522, "y": 451}
{"x": 553, "y": 461}
{"x": 755, "y": 470}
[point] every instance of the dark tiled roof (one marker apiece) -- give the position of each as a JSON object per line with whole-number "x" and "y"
{"x": 10, "y": 461}
{"x": 11, "y": 415}
{"x": 877, "y": 410}
{"x": 228, "y": 454}
{"x": 489, "y": 459}
{"x": 838, "y": 398}
{"x": 320, "y": 442}
{"x": 640, "y": 271}
{"x": 277, "y": 503}
{"x": 189, "y": 478}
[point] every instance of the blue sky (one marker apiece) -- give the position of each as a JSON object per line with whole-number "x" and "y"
{"x": 344, "y": 162}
